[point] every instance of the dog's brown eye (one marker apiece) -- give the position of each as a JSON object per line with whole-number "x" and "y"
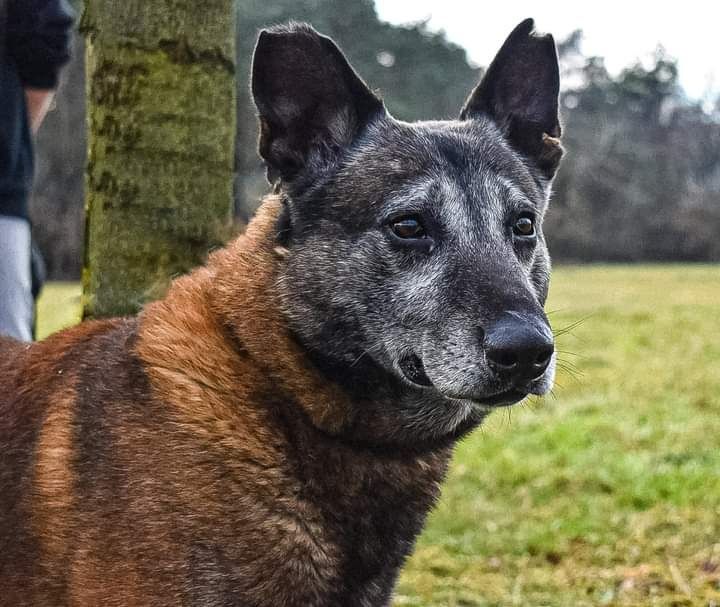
{"x": 408, "y": 227}
{"x": 524, "y": 226}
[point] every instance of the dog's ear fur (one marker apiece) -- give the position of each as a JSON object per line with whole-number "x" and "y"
{"x": 519, "y": 92}
{"x": 310, "y": 101}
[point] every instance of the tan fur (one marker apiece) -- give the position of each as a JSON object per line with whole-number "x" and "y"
{"x": 53, "y": 482}
{"x": 551, "y": 152}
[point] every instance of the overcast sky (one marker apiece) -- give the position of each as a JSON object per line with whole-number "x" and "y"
{"x": 620, "y": 31}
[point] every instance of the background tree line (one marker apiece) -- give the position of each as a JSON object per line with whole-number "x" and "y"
{"x": 640, "y": 182}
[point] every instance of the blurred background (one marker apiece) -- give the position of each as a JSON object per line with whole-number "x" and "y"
{"x": 608, "y": 491}
{"x": 640, "y": 182}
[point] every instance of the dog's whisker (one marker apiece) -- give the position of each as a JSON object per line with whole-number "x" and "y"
{"x": 570, "y": 353}
{"x": 357, "y": 360}
{"x": 571, "y": 372}
{"x": 568, "y": 366}
{"x": 569, "y": 328}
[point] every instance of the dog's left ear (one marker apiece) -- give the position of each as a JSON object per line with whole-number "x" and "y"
{"x": 310, "y": 101}
{"x": 519, "y": 92}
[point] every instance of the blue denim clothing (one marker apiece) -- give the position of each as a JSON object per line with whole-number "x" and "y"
{"x": 16, "y": 300}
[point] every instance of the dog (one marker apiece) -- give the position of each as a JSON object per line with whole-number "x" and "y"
{"x": 275, "y": 430}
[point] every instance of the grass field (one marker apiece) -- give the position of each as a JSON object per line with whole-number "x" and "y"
{"x": 607, "y": 493}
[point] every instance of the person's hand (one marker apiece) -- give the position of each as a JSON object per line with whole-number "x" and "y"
{"x": 38, "y": 104}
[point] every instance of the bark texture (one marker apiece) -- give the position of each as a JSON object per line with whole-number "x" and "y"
{"x": 161, "y": 120}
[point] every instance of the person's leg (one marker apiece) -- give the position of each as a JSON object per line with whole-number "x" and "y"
{"x": 16, "y": 301}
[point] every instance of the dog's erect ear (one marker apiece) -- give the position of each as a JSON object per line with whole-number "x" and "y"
{"x": 310, "y": 101}
{"x": 520, "y": 92}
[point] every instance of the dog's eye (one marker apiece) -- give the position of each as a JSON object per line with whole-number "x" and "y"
{"x": 524, "y": 226}
{"x": 408, "y": 228}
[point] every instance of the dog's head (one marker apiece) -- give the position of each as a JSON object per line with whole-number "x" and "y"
{"x": 416, "y": 265}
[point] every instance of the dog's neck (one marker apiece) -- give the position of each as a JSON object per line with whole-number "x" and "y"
{"x": 232, "y": 307}
{"x": 233, "y": 304}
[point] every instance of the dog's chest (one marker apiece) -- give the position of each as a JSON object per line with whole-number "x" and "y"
{"x": 360, "y": 521}
{"x": 330, "y": 540}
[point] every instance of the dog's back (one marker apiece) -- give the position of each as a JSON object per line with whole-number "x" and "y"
{"x": 40, "y": 435}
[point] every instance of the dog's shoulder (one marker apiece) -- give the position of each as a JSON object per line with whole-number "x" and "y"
{"x": 33, "y": 375}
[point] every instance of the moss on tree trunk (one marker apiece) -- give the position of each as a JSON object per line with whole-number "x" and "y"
{"x": 161, "y": 119}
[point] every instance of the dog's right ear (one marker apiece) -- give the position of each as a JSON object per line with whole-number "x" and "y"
{"x": 310, "y": 101}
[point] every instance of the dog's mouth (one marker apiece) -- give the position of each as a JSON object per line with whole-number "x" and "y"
{"x": 503, "y": 399}
{"x": 414, "y": 371}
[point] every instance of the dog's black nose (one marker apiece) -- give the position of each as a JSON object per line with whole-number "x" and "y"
{"x": 519, "y": 350}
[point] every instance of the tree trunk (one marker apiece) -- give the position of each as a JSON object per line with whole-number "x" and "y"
{"x": 161, "y": 119}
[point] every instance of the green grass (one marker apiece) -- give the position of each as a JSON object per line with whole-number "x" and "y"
{"x": 58, "y": 307}
{"x": 607, "y": 493}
